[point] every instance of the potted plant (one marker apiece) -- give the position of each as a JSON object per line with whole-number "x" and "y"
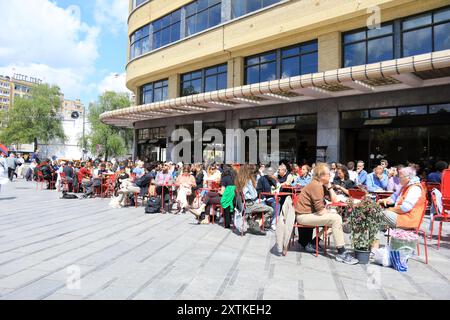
{"x": 364, "y": 219}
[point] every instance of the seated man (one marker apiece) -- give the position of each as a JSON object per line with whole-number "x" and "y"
{"x": 311, "y": 211}
{"x": 70, "y": 174}
{"x": 436, "y": 176}
{"x": 377, "y": 180}
{"x": 96, "y": 181}
{"x": 409, "y": 204}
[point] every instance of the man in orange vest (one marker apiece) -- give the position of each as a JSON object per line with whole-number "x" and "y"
{"x": 408, "y": 205}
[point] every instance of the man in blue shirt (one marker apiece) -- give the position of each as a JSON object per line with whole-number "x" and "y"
{"x": 437, "y": 175}
{"x": 377, "y": 180}
{"x": 362, "y": 174}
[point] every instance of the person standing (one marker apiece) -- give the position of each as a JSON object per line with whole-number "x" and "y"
{"x": 12, "y": 165}
{"x": 3, "y": 170}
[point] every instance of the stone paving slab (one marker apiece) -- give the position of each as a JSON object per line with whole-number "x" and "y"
{"x": 125, "y": 254}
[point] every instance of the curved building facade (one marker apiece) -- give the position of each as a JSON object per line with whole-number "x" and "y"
{"x": 359, "y": 79}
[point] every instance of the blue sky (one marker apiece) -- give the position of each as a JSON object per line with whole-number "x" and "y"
{"x": 79, "y": 45}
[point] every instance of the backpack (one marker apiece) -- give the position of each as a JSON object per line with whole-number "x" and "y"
{"x": 68, "y": 196}
{"x": 153, "y": 205}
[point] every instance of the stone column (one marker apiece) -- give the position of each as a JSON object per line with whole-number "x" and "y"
{"x": 328, "y": 131}
{"x": 330, "y": 51}
{"x": 174, "y": 86}
{"x": 235, "y": 72}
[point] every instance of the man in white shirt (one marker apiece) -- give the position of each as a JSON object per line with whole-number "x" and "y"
{"x": 351, "y": 171}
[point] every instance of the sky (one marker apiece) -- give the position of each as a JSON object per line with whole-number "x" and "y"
{"x": 81, "y": 46}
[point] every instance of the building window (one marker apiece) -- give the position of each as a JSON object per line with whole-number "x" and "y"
{"x": 369, "y": 46}
{"x": 426, "y": 33}
{"x": 137, "y": 3}
{"x": 383, "y": 113}
{"x": 298, "y": 60}
{"x": 167, "y": 29}
{"x": 205, "y": 80}
{"x": 140, "y": 42}
{"x": 286, "y": 62}
{"x": 202, "y": 14}
{"x": 412, "y": 111}
{"x": 155, "y": 91}
{"x": 440, "y": 108}
{"x": 240, "y": 8}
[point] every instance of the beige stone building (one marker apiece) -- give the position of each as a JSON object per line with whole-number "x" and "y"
{"x": 361, "y": 79}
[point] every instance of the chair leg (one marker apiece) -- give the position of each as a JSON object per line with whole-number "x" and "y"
{"x": 317, "y": 241}
{"x": 439, "y": 235}
{"x": 325, "y": 241}
{"x": 432, "y": 227}
{"x": 425, "y": 247}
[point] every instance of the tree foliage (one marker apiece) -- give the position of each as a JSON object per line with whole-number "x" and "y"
{"x": 33, "y": 117}
{"x": 105, "y": 140}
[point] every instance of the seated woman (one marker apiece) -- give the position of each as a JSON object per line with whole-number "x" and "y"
{"x": 408, "y": 205}
{"x": 342, "y": 181}
{"x": 304, "y": 178}
{"x": 245, "y": 183}
{"x": 293, "y": 176}
{"x": 185, "y": 182}
{"x": 210, "y": 198}
{"x": 162, "y": 179}
{"x": 213, "y": 176}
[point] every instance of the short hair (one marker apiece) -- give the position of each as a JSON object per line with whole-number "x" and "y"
{"x": 408, "y": 172}
{"x": 383, "y": 160}
{"x": 360, "y": 161}
{"x": 269, "y": 171}
{"x": 350, "y": 165}
{"x": 319, "y": 170}
{"x": 441, "y": 166}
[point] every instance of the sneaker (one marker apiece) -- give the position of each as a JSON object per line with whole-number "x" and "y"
{"x": 273, "y": 228}
{"x": 346, "y": 258}
{"x": 311, "y": 248}
{"x": 205, "y": 221}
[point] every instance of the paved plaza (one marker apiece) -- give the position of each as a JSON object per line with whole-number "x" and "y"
{"x": 125, "y": 254}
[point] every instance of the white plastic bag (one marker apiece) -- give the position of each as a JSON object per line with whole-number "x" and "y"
{"x": 239, "y": 222}
{"x": 382, "y": 256}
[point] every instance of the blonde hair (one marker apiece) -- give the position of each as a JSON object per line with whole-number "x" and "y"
{"x": 320, "y": 170}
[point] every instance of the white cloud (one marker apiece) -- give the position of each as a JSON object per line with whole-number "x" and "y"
{"x": 50, "y": 43}
{"x": 113, "y": 82}
{"x": 112, "y": 14}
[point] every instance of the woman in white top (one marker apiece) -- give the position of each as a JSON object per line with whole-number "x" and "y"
{"x": 213, "y": 175}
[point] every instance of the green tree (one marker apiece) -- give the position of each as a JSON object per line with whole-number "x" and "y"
{"x": 113, "y": 141}
{"x": 33, "y": 118}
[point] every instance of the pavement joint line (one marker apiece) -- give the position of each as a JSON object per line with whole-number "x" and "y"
{"x": 59, "y": 269}
{"x": 271, "y": 271}
{"x": 105, "y": 286}
{"x": 205, "y": 262}
{"x": 180, "y": 291}
{"x": 337, "y": 280}
{"x": 232, "y": 269}
{"x": 59, "y": 222}
{"x": 165, "y": 270}
{"x": 164, "y": 246}
{"x": 64, "y": 252}
{"x": 301, "y": 290}
{"x": 260, "y": 294}
{"x": 415, "y": 285}
{"x": 58, "y": 244}
{"x": 234, "y": 277}
{"x": 386, "y": 295}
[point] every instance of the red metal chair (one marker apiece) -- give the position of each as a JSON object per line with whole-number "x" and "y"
{"x": 297, "y": 225}
{"x": 63, "y": 180}
{"x": 214, "y": 207}
{"x": 40, "y": 180}
{"x": 445, "y": 184}
{"x": 419, "y": 232}
{"x": 443, "y": 216}
{"x": 108, "y": 186}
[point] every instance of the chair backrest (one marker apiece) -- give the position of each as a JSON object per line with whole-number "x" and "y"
{"x": 357, "y": 194}
{"x": 433, "y": 185}
{"x": 445, "y": 184}
{"x": 62, "y": 175}
{"x": 434, "y": 203}
{"x": 423, "y": 215}
{"x": 40, "y": 174}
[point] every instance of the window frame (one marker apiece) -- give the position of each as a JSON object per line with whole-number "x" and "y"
{"x": 366, "y": 41}
{"x": 202, "y": 78}
{"x": 196, "y": 14}
{"x": 164, "y": 84}
{"x": 132, "y": 43}
{"x": 279, "y": 59}
{"x": 162, "y": 28}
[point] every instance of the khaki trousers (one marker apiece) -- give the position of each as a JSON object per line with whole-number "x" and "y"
{"x": 329, "y": 219}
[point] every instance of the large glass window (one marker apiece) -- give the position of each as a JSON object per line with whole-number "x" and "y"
{"x": 205, "y": 80}
{"x": 140, "y": 42}
{"x": 369, "y": 46}
{"x": 167, "y": 29}
{"x": 286, "y": 62}
{"x": 202, "y": 14}
{"x": 155, "y": 91}
{"x": 426, "y": 33}
{"x": 298, "y": 60}
{"x": 240, "y": 8}
{"x": 137, "y": 3}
